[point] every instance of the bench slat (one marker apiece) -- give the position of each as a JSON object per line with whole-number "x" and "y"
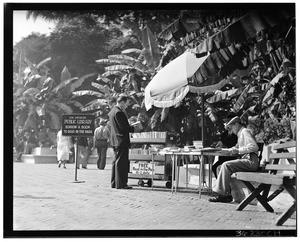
{"x": 285, "y": 145}
{"x": 290, "y": 167}
{"x": 260, "y": 177}
{"x": 285, "y": 155}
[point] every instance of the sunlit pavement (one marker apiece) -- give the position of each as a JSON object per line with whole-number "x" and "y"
{"x": 46, "y": 197}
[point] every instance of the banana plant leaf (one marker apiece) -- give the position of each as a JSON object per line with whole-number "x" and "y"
{"x": 43, "y": 62}
{"x": 134, "y": 27}
{"x": 152, "y": 53}
{"x": 31, "y": 92}
{"x": 55, "y": 120}
{"x": 65, "y": 74}
{"x": 224, "y": 95}
{"x": 110, "y": 73}
{"x": 96, "y": 104}
{"x": 209, "y": 110}
{"x": 132, "y": 50}
{"x": 61, "y": 106}
{"x": 104, "y": 79}
{"x": 97, "y": 85}
{"x": 106, "y": 61}
{"x": 32, "y": 80}
{"x": 32, "y": 68}
{"x": 30, "y": 123}
{"x": 154, "y": 118}
{"x": 241, "y": 99}
{"x": 269, "y": 94}
{"x": 64, "y": 84}
{"x": 76, "y": 103}
{"x": 48, "y": 82}
{"x": 249, "y": 112}
{"x": 164, "y": 114}
{"x": 87, "y": 93}
{"x": 118, "y": 68}
{"x": 128, "y": 60}
{"x": 244, "y": 29}
{"x": 79, "y": 82}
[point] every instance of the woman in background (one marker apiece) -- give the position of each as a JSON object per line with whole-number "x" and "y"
{"x": 63, "y": 148}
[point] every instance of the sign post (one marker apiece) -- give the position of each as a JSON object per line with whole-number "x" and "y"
{"x": 77, "y": 125}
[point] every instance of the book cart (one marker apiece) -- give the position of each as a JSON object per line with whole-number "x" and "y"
{"x": 141, "y": 158}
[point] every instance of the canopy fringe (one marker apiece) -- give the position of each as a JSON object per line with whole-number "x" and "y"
{"x": 180, "y": 94}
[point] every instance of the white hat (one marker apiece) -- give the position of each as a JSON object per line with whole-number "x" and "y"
{"x": 234, "y": 120}
{"x": 103, "y": 121}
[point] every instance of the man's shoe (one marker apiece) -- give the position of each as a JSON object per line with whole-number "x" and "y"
{"x": 127, "y": 187}
{"x": 221, "y": 199}
{"x": 84, "y": 167}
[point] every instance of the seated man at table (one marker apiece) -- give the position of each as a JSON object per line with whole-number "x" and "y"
{"x": 247, "y": 148}
{"x": 227, "y": 140}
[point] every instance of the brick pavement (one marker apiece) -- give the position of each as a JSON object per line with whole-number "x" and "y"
{"x": 48, "y": 198}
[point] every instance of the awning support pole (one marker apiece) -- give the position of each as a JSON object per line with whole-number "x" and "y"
{"x": 202, "y": 115}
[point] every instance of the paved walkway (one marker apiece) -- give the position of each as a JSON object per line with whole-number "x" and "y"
{"x": 48, "y": 198}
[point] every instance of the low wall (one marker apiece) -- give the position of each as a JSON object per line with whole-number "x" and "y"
{"x": 45, "y": 155}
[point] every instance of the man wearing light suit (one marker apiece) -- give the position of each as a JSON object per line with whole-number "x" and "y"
{"x": 247, "y": 148}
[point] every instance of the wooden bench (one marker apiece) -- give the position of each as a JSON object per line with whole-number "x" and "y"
{"x": 238, "y": 189}
{"x": 279, "y": 174}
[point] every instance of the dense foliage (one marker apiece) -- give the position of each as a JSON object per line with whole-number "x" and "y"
{"x": 120, "y": 51}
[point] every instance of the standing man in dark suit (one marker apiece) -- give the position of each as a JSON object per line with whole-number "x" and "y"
{"x": 120, "y": 142}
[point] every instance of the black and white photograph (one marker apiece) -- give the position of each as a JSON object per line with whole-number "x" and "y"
{"x": 149, "y": 120}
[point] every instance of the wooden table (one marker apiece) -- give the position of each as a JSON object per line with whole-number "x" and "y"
{"x": 176, "y": 153}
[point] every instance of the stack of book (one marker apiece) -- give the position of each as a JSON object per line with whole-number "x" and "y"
{"x": 139, "y": 151}
{"x": 154, "y": 135}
